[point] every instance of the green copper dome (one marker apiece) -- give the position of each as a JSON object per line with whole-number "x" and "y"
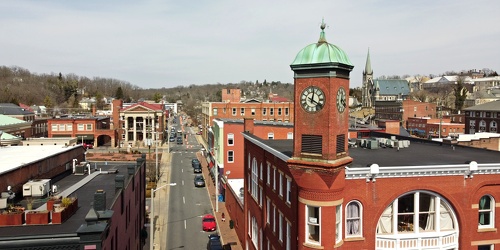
{"x": 321, "y": 52}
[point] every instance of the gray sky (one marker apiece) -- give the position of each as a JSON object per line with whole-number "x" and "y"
{"x": 155, "y": 44}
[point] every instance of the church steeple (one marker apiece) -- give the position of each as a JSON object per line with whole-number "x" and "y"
{"x": 368, "y": 66}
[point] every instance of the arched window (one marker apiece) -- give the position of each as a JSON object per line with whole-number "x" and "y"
{"x": 482, "y": 126}
{"x": 416, "y": 212}
{"x": 353, "y": 219}
{"x": 486, "y": 212}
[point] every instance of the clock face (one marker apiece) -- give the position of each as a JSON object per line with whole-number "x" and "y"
{"x": 341, "y": 100}
{"x": 312, "y": 99}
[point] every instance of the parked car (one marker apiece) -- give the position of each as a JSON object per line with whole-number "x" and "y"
{"x": 88, "y": 145}
{"x": 214, "y": 242}
{"x": 199, "y": 181}
{"x": 179, "y": 140}
{"x": 198, "y": 133}
{"x": 208, "y": 223}
{"x": 195, "y": 162}
{"x": 172, "y": 139}
{"x": 197, "y": 168}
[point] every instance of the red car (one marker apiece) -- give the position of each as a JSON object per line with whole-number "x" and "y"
{"x": 208, "y": 223}
{"x": 88, "y": 145}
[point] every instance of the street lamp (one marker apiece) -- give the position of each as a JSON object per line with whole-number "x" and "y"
{"x": 152, "y": 217}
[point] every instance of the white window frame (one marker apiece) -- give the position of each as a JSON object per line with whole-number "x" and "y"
{"x": 215, "y": 112}
{"x": 234, "y": 112}
{"x": 254, "y": 180}
{"x": 230, "y": 139}
{"x": 268, "y": 209}
{"x": 80, "y": 127}
{"x": 55, "y": 127}
{"x": 268, "y": 181}
{"x": 351, "y": 219}
{"x": 261, "y": 171}
{"x": 288, "y": 190}
{"x": 69, "y": 127}
{"x": 88, "y": 127}
{"x": 274, "y": 178}
{"x": 271, "y": 111}
{"x": 230, "y": 156}
{"x": 338, "y": 223}
{"x": 255, "y": 229}
{"x": 264, "y": 111}
{"x": 313, "y": 222}
{"x": 287, "y": 111}
{"x": 279, "y": 111}
{"x": 242, "y": 111}
{"x": 487, "y": 211}
{"x": 289, "y": 135}
{"x": 253, "y": 111}
{"x": 270, "y": 136}
{"x": 280, "y": 225}
{"x": 280, "y": 188}
{"x": 274, "y": 218}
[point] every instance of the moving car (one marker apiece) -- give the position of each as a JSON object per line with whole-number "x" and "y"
{"x": 179, "y": 140}
{"x": 208, "y": 223}
{"x": 88, "y": 145}
{"x": 199, "y": 181}
{"x": 214, "y": 242}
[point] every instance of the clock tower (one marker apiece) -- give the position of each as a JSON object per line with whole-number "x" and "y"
{"x": 321, "y": 86}
{"x": 321, "y": 101}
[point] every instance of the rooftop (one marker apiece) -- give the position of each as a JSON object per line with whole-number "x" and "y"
{"x": 14, "y": 157}
{"x": 419, "y": 153}
{"x": 85, "y": 194}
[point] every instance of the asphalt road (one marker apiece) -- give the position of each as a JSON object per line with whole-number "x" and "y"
{"x": 187, "y": 204}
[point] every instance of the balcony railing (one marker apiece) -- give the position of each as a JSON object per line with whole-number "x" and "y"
{"x": 415, "y": 241}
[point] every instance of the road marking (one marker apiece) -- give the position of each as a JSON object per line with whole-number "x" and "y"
{"x": 183, "y": 200}
{"x": 185, "y": 224}
{"x": 183, "y": 182}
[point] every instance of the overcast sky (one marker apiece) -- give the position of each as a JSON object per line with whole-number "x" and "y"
{"x": 167, "y": 43}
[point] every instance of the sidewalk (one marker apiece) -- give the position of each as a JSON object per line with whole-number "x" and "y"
{"x": 228, "y": 236}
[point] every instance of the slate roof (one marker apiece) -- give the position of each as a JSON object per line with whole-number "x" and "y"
{"x": 392, "y": 87}
{"x": 490, "y": 106}
{"x": 13, "y": 109}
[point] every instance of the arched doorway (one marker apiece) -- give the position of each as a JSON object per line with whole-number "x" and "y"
{"x": 418, "y": 220}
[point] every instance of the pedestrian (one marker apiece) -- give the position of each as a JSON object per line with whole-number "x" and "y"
{"x": 223, "y": 217}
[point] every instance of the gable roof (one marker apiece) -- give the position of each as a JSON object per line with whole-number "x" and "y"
{"x": 150, "y": 106}
{"x": 489, "y": 106}
{"x": 392, "y": 87}
{"x": 13, "y": 109}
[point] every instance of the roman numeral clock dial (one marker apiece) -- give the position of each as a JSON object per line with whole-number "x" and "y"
{"x": 312, "y": 99}
{"x": 341, "y": 100}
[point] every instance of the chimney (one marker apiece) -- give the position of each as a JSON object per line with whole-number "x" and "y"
{"x": 131, "y": 169}
{"x": 248, "y": 125}
{"x": 100, "y": 200}
{"x": 119, "y": 182}
{"x": 93, "y": 110}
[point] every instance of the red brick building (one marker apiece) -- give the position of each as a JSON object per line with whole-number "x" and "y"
{"x": 226, "y": 145}
{"x": 313, "y": 192}
{"x": 482, "y": 118}
{"x": 92, "y": 130}
{"x": 426, "y": 127}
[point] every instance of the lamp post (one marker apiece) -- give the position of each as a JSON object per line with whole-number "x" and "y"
{"x": 152, "y": 217}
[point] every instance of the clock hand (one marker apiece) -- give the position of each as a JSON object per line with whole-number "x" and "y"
{"x": 313, "y": 101}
